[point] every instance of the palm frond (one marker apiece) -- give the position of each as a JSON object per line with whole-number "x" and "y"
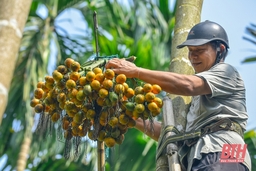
{"x": 251, "y": 30}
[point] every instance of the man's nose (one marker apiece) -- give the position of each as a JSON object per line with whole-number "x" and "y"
{"x": 193, "y": 55}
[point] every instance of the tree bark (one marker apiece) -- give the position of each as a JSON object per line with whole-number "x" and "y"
{"x": 187, "y": 15}
{"x": 23, "y": 155}
{"x": 13, "y": 16}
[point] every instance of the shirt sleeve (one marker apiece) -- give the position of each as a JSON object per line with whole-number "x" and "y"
{"x": 221, "y": 79}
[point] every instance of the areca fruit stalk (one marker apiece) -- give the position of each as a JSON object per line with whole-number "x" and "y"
{"x": 89, "y": 100}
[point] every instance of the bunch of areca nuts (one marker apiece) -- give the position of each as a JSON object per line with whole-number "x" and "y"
{"x": 94, "y": 102}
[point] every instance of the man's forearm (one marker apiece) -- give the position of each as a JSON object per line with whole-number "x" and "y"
{"x": 150, "y": 129}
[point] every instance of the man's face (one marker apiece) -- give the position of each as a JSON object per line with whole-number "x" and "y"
{"x": 202, "y": 57}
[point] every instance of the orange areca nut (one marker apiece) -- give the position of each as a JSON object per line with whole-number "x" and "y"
{"x": 69, "y": 106}
{"x": 131, "y": 123}
{"x": 95, "y": 84}
{"x": 119, "y": 88}
{"x": 100, "y": 101}
{"x": 128, "y": 113}
{"x": 107, "y": 84}
{"x": 152, "y": 106}
{"x": 82, "y": 131}
{"x": 61, "y": 97}
{"x": 126, "y": 86}
{"x": 147, "y": 88}
{"x": 46, "y": 108}
{"x": 120, "y": 78}
{"x": 109, "y": 74}
{"x": 75, "y": 66}
{"x": 62, "y": 105}
{"x": 39, "y": 108}
{"x": 71, "y": 113}
{"x": 49, "y": 86}
{"x": 49, "y": 79}
{"x": 156, "y": 112}
{"x": 82, "y": 81}
{"x": 113, "y": 121}
{"x": 62, "y": 69}
{"x": 109, "y": 141}
{"x": 78, "y": 118}
{"x": 74, "y": 75}
{"x": 90, "y": 114}
{"x": 57, "y": 76}
{"x": 102, "y": 135}
{"x": 138, "y": 90}
{"x": 72, "y": 93}
{"x": 55, "y": 117}
{"x": 129, "y": 93}
{"x": 70, "y": 84}
{"x": 97, "y": 70}
{"x": 90, "y": 76}
{"x": 124, "y": 119}
{"x": 158, "y": 101}
{"x": 135, "y": 115}
{"x": 156, "y": 89}
{"x": 139, "y": 98}
{"x": 38, "y": 93}
{"x": 100, "y": 77}
{"x": 75, "y": 130}
{"x": 77, "y": 102}
{"x": 68, "y": 62}
{"x": 34, "y": 102}
{"x": 40, "y": 84}
{"x": 103, "y": 121}
{"x": 149, "y": 97}
{"x": 44, "y": 87}
{"x": 103, "y": 93}
{"x": 61, "y": 84}
{"x": 65, "y": 124}
{"x": 139, "y": 108}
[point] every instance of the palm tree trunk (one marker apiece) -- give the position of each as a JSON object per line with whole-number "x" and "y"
{"x": 185, "y": 19}
{"x": 13, "y": 16}
{"x": 187, "y": 15}
{"x": 23, "y": 155}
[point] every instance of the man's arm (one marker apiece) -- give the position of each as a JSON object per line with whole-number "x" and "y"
{"x": 147, "y": 128}
{"x": 173, "y": 83}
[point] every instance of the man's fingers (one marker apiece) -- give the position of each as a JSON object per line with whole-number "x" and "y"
{"x": 113, "y": 63}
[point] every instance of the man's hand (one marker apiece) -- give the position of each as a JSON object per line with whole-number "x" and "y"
{"x": 122, "y": 66}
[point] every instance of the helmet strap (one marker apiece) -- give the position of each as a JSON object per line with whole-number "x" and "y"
{"x": 218, "y": 57}
{"x": 218, "y": 54}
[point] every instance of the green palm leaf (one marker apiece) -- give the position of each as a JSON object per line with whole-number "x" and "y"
{"x": 251, "y": 30}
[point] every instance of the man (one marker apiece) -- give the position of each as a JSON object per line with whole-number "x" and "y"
{"x": 218, "y": 98}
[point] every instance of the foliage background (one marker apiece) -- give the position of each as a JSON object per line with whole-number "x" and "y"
{"x": 141, "y": 28}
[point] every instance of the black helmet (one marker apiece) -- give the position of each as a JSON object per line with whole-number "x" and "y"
{"x": 205, "y": 32}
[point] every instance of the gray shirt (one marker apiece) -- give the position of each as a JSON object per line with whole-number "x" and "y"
{"x": 226, "y": 101}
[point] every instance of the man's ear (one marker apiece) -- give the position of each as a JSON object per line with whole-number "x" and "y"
{"x": 221, "y": 48}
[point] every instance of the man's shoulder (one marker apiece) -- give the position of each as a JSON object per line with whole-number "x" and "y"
{"x": 223, "y": 66}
